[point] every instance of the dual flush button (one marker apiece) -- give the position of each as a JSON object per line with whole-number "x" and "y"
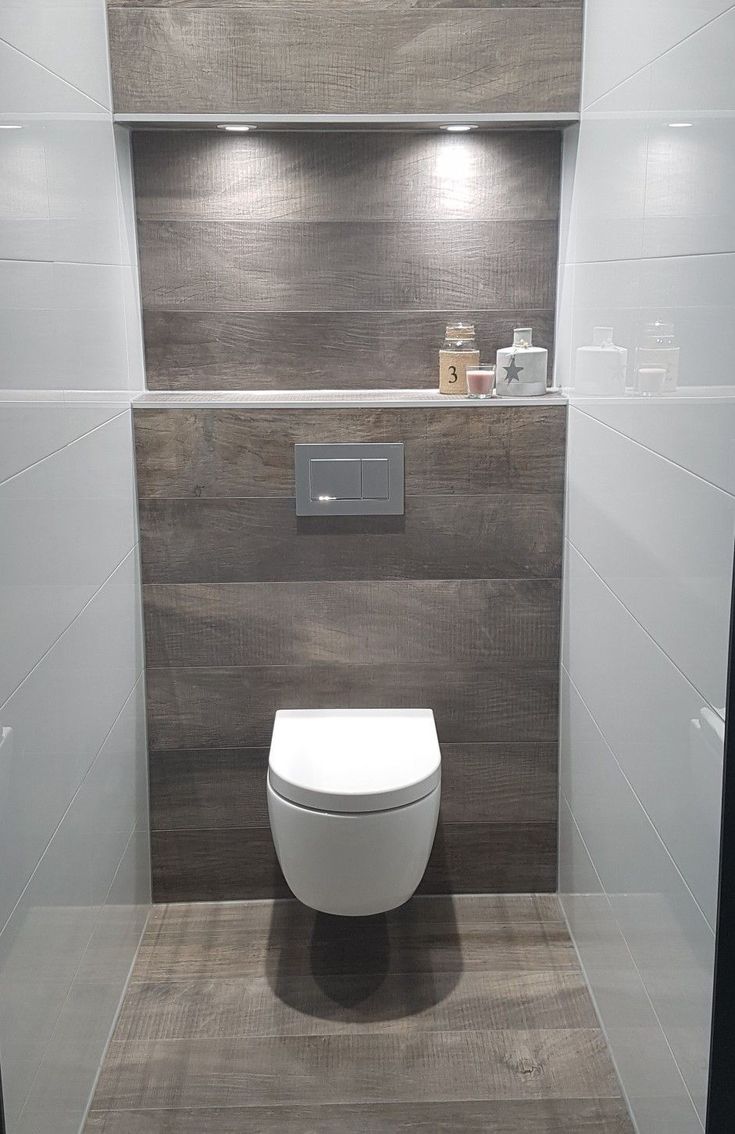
{"x": 349, "y": 480}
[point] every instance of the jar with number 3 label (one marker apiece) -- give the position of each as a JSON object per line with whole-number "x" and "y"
{"x": 458, "y": 354}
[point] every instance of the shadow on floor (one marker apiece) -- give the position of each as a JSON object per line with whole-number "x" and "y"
{"x": 365, "y": 969}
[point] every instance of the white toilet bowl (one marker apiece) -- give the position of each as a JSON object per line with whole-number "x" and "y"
{"x": 353, "y": 800}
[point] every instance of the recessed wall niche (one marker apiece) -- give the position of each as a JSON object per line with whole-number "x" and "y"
{"x": 286, "y": 260}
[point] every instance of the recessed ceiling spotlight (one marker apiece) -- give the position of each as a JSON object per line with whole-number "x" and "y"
{"x": 680, "y": 125}
{"x": 235, "y": 128}
{"x": 458, "y": 129}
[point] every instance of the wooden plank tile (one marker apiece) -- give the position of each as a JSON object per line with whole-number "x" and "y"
{"x": 456, "y": 622}
{"x": 205, "y": 175}
{"x": 499, "y": 783}
{"x": 208, "y": 788}
{"x": 492, "y": 858}
{"x": 236, "y": 453}
{"x": 444, "y": 914}
{"x": 517, "y": 1116}
{"x": 226, "y": 541}
{"x": 294, "y": 350}
{"x": 470, "y": 459}
{"x": 322, "y": 1004}
{"x": 239, "y": 864}
{"x": 220, "y": 788}
{"x": 270, "y": 59}
{"x": 215, "y": 865}
{"x": 234, "y": 707}
{"x": 537, "y": 450}
{"x": 347, "y": 265}
{"x": 377, "y": 5}
{"x": 214, "y": 453}
{"x": 502, "y": 934}
{"x": 439, "y": 1066}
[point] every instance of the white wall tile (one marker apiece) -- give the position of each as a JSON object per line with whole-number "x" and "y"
{"x": 67, "y": 523}
{"x": 30, "y": 93}
{"x": 668, "y": 938}
{"x": 61, "y": 930}
{"x": 624, "y": 35}
{"x": 662, "y": 540}
{"x": 694, "y": 428}
{"x": 643, "y": 1059}
{"x": 82, "y": 683}
{"x": 706, "y": 57}
{"x": 24, "y": 203}
{"x": 609, "y": 190}
{"x": 63, "y": 326}
{"x": 68, "y": 37}
{"x": 71, "y": 354}
{"x": 648, "y": 713}
{"x": 66, "y": 1077}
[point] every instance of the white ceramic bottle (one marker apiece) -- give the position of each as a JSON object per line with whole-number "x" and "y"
{"x": 521, "y": 369}
{"x": 601, "y": 368}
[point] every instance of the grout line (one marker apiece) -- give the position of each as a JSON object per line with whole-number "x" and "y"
{"x": 646, "y": 448}
{"x": 311, "y": 582}
{"x": 700, "y": 695}
{"x": 647, "y": 259}
{"x": 65, "y": 263}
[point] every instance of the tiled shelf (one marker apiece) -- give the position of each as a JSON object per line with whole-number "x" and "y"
{"x": 329, "y": 399}
{"x": 320, "y": 122}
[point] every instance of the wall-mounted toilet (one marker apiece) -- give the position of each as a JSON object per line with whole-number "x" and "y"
{"x": 353, "y": 800}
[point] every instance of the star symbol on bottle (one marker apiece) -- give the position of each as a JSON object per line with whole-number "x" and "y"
{"x": 512, "y": 371}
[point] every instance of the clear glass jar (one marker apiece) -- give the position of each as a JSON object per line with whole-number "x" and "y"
{"x": 457, "y": 355}
{"x": 459, "y": 336}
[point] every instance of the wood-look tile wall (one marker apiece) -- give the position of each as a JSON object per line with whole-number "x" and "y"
{"x": 454, "y": 606}
{"x": 345, "y": 56}
{"x": 277, "y": 261}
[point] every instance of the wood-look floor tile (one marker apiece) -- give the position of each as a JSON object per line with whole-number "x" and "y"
{"x": 324, "y": 1004}
{"x": 550, "y": 1116}
{"x": 433, "y": 1066}
{"x": 186, "y": 944}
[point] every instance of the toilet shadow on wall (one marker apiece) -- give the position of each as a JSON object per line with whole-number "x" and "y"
{"x": 363, "y": 970}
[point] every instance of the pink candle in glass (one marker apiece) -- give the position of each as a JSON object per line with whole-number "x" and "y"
{"x": 480, "y": 382}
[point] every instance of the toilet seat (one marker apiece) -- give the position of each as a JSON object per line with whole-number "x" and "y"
{"x": 354, "y": 760}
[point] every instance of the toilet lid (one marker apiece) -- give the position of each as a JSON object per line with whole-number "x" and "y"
{"x": 354, "y": 759}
